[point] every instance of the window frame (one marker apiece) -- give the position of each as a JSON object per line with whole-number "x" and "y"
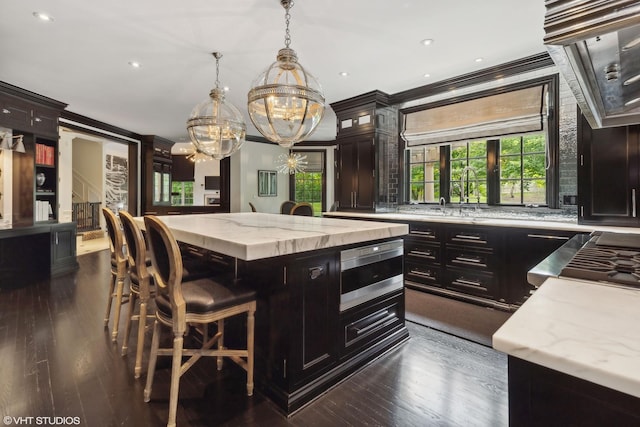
{"x": 552, "y": 134}
{"x": 323, "y": 195}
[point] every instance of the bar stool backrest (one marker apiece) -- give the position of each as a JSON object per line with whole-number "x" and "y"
{"x": 167, "y": 268}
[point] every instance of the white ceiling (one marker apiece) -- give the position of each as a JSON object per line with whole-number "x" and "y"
{"x": 81, "y": 58}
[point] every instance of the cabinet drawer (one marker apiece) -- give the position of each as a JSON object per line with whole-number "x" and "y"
{"x": 363, "y": 326}
{"x": 473, "y": 283}
{"x": 422, "y": 273}
{"x": 425, "y": 231}
{"x": 469, "y": 258}
{"x": 472, "y": 236}
{"x": 418, "y": 251}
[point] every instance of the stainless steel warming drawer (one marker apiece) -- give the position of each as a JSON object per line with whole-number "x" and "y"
{"x": 370, "y": 271}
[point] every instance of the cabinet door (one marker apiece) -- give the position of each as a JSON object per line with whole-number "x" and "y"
{"x": 608, "y": 175}
{"x": 346, "y": 175}
{"x": 365, "y": 190}
{"x": 313, "y": 283}
{"x": 356, "y": 168}
{"x": 524, "y": 249}
{"x": 63, "y": 248}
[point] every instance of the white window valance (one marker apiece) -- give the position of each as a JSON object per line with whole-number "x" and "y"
{"x": 514, "y": 112}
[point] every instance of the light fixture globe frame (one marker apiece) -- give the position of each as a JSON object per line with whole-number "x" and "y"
{"x": 216, "y": 127}
{"x": 286, "y": 102}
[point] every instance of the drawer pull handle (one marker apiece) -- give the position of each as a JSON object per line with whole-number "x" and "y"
{"x": 376, "y": 321}
{"x": 422, "y": 233}
{"x": 546, "y": 236}
{"x": 468, "y": 236}
{"x": 423, "y": 274}
{"x": 468, "y": 283}
{"x": 425, "y": 254}
{"x": 467, "y": 259}
{"x": 474, "y": 239}
{"x": 38, "y": 119}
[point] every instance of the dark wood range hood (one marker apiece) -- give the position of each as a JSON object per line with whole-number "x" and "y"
{"x": 596, "y": 46}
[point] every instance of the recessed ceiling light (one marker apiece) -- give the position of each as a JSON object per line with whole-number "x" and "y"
{"x": 43, "y": 16}
{"x": 226, "y": 88}
{"x": 134, "y": 64}
{"x": 479, "y": 59}
{"x": 343, "y": 73}
{"x": 426, "y": 75}
{"x": 426, "y": 42}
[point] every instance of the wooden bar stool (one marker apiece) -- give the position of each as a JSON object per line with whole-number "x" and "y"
{"x": 302, "y": 208}
{"x": 118, "y": 271}
{"x": 202, "y": 301}
{"x": 141, "y": 282}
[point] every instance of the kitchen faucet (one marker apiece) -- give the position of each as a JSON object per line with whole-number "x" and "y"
{"x": 464, "y": 197}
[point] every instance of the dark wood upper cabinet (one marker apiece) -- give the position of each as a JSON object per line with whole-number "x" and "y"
{"x": 608, "y": 175}
{"x": 366, "y": 128}
{"x": 356, "y": 173}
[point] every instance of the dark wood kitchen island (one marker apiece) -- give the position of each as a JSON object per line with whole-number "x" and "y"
{"x": 313, "y": 329}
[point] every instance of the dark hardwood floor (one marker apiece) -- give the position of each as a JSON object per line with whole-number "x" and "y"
{"x": 57, "y": 360}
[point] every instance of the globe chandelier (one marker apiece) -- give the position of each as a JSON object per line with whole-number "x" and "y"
{"x": 286, "y": 102}
{"x": 215, "y": 126}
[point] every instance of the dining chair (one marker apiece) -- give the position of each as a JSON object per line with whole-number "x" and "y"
{"x": 118, "y": 271}
{"x": 285, "y": 207}
{"x": 140, "y": 288}
{"x": 302, "y": 208}
{"x": 198, "y": 302}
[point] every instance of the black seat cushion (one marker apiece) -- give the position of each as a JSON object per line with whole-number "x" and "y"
{"x": 207, "y": 295}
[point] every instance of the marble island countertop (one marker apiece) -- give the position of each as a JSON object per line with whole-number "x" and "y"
{"x": 252, "y": 235}
{"x": 580, "y": 328}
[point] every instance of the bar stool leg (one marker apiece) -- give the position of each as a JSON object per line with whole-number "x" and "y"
{"x": 112, "y": 286}
{"x": 142, "y": 325}
{"x": 127, "y": 329}
{"x": 220, "y": 343}
{"x": 178, "y": 341}
{"x": 116, "y": 315}
{"x": 250, "y": 337}
{"x": 153, "y": 357}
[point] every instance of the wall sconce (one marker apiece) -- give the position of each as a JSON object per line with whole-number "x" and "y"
{"x": 7, "y": 143}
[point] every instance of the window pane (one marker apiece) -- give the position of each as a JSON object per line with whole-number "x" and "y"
{"x": 510, "y": 146}
{"x": 424, "y": 175}
{"x": 523, "y": 170}
{"x": 534, "y": 191}
{"x": 308, "y": 188}
{"x": 510, "y": 191}
{"x": 470, "y": 163}
{"x": 533, "y": 144}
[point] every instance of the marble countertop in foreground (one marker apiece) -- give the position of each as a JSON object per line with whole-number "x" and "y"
{"x": 580, "y": 328}
{"x": 252, "y": 235}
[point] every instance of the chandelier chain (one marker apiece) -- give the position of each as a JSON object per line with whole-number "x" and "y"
{"x": 287, "y": 17}
{"x": 218, "y": 70}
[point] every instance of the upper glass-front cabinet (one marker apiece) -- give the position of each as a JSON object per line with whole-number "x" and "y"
{"x": 161, "y": 184}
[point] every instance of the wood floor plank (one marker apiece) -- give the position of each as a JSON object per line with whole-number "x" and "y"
{"x": 58, "y": 360}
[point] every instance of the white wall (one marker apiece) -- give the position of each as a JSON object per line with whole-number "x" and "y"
{"x": 245, "y": 164}
{"x": 254, "y": 156}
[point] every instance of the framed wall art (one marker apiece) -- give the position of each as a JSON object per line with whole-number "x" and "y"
{"x": 267, "y": 183}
